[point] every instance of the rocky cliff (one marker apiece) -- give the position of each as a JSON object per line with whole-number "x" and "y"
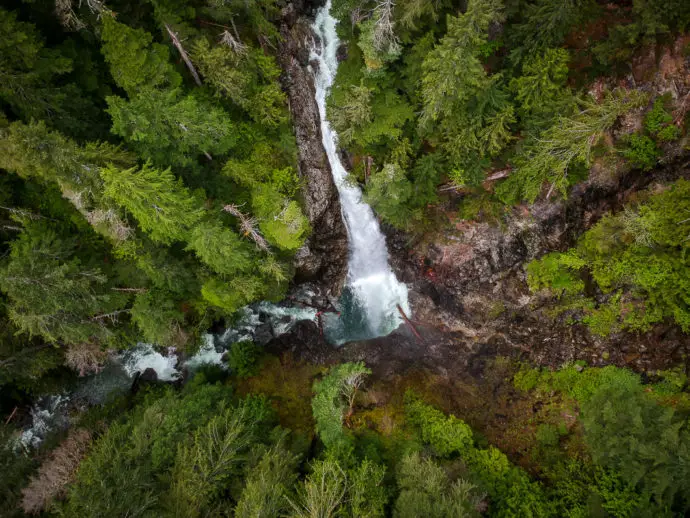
{"x": 324, "y": 256}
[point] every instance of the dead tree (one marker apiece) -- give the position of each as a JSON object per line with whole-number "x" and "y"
{"x": 248, "y": 226}
{"x": 384, "y": 35}
{"x": 183, "y": 54}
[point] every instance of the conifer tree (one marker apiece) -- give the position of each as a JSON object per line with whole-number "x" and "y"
{"x": 169, "y": 128}
{"x": 220, "y": 248}
{"x": 467, "y": 109}
{"x": 29, "y": 76}
{"x": 136, "y": 63}
{"x": 52, "y": 295}
{"x": 162, "y": 206}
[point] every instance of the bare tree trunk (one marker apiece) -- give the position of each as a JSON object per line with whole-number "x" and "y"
{"x": 248, "y": 226}
{"x": 409, "y": 323}
{"x": 183, "y": 54}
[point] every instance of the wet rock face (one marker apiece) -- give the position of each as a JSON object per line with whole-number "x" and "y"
{"x": 471, "y": 280}
{"x": 324, "y": 256}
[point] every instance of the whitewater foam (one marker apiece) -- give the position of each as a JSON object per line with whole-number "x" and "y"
{"x": 374, "y": 287}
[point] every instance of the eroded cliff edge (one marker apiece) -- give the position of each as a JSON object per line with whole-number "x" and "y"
{"x": 324, "y": 256}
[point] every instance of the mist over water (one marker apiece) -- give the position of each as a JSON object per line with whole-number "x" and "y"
{"x": 372, "y": 292}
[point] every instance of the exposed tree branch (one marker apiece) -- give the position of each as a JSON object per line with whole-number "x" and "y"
{"x": 248, "y": 226}
{"x": 183, "y": 54}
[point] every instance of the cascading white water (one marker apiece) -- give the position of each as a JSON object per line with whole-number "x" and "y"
{"x": 374, "y": 290}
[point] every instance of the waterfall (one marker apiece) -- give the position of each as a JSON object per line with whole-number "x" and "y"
{"x": 372, "y": 292}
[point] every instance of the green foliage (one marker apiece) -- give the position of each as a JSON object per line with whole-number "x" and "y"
{"x": 389, "y": 192}
{"x": 642, "y": 152}
{"x": 231, "y": 296}
{"x": 511, "y": 491}
{"x": 541, "y": 90}
{"x": 544, "y": 24}
{"x": 136, "y": 63}
{"x": 168, "y": 127}
{"x": 34, "y": 80}
{"x": 378, "y": 46}
{"x": 447, "y": 435}
{"x": 657, "y": 118}
{"x": 641, "y": 252}
{"x": 334, "y": 397}
{"x": 243, "y": 358}
{"x": 268, "y": 484}
{"x": 646, "y": 443}
{"x": 330, "y": 490}
{"x": 576, "y": 381}
{"x": 220, "y": 248}
{"x": 159, "y": 202}
{"x": 558, "y": 272}
{"x": 323, "y": 493}
{"x": 468, "y": 109}
{"x": 564, "y": 145}
{"x": 247, "y": 78}
{"x": 158, "y": 316}
{"x": 52, "y": 294}
{"x": 542, "y": 79}
{"x": 426, "y": 491}
{"x": 176, "y": 454}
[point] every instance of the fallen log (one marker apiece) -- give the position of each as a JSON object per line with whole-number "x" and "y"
{"x": 409, "y": 323}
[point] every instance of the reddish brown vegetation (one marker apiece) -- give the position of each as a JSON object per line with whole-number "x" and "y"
{"x": 56, "y": 473}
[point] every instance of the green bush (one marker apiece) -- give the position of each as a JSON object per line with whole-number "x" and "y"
{"x": 243, "y": 358}
{"x": 642, "y": 152}
{"x": 657, "y": 118}
{"x": 637, "y": 258}
{"x": 334, "y": 397}
{"x": 447, "y": 435}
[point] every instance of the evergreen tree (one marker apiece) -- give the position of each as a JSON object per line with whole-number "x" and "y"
{"x": 159, "y": 318}
{"x": 565, "y": 145}
{"x": 169, "y": 128}
{"x": 52, "y": 295}
{"x": 136, "y": 63}
{"x": 162, "y": 206}
{"x": 467, "y": 108}
{"x": 32, "y": 78}
{"x": 426, "y": 490}
{"x": 220, "y": 248}
{"x": 246, "y": 76}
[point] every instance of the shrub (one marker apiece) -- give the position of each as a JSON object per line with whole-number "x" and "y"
{"x": 447, "y": 435}
{"x": 334, "y": 397}
{"x": 243, "y": 358}
{"x": 657, "y": 118}
{"x": 642, "y": 152}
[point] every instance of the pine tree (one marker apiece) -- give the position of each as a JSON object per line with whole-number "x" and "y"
{"x": 162, "y": 206}
{"x": 51, "y": 294}
{"x": 171, "y": 129}
{"x": 246, "y": 76}
{"x": 566, "y": 144}
{"x": 157, "y": 314}
{"x": 453, "y": 72}
{"x": 136, "y": 63}
{"x": 220, "y": 248}
{"x": 465, "y": 108}
{"x": 29, "y": 73}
